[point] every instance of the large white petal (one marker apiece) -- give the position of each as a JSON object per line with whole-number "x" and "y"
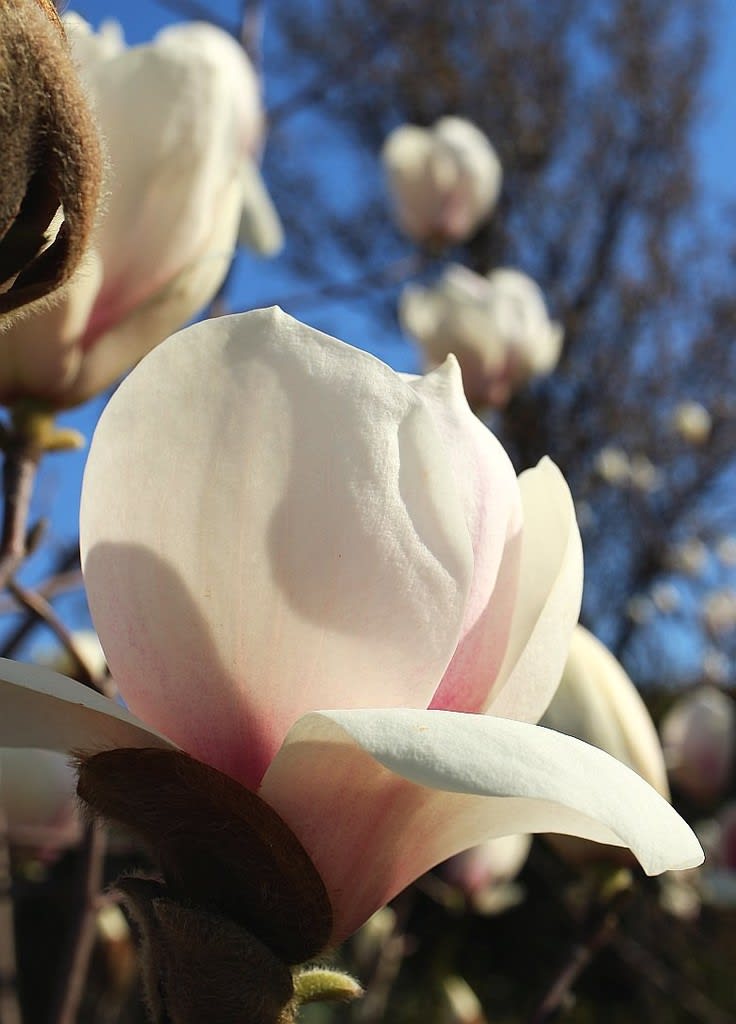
{"x": 270, "y": 525}
{"x": 488, "y": 488}
{"x": 547, "y": 601}
{"x": 43, "y": 709}
{"x": 378, "y": 797}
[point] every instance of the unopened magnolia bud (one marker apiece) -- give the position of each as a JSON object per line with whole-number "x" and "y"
{"x": 51, "y": 156}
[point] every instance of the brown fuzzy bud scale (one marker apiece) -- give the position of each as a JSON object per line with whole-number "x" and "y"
{"x": 240, "y": 901}
{"x": 51, "y": 162}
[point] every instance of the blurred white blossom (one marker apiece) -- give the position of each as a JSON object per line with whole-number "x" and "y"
{"x": 693, "y": 422}
{"x": 726, "y": 551}
{"x": 444, "y": 180}
{"x": 719, "y": 610}
{"x": 689, "y": 557}
{"x": 699, "y": 738}
{"x": 497, "y": 326}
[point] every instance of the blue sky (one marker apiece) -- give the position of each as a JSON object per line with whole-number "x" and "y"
{"x": 59, "y": 484}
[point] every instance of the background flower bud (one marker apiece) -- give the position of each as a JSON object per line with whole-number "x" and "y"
{"x": 445, "y": 180}
{"x": 597, "y": 702}
{"x": 496, "y": 326}
{"x": 699, "y": 738}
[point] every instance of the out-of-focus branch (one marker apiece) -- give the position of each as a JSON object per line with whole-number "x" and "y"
{"x": 67, "y": 561}
{"x": 88, "y": 883}
{"x": 44, "y": 612}
{"x": 9, "y": 1005}
{"x": 669, "y": 980}
{"x": 22, "y": 455}
{"x": 601, "y": 928}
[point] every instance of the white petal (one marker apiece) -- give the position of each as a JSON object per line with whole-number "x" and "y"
{"x": 488, "y": 488}
{"x": 270, "y": 525}
{"x": 378, "y": 797}
{"x": 260, "y": 225}
{"x": 548, "y": 599}
{"x": 46, "y": 710}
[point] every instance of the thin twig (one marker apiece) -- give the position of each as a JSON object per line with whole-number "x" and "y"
{"x": 53, "y": 586}
{"x": 9, "y": 1004}
{"x": 669, "y": 980}
{"x": 40, "y": 607}
{"x": 581, "y": 957}
{"x": 604, "y": 921}
{"x": 68, "y": 559}
{"x": 371, "y": 1008}
{"x": 22, "y": 455}
{"x": 73, "y": 973}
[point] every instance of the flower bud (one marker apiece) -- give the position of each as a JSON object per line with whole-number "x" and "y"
{"x": 699, "y": 737}
{"x": 445, "y": 180}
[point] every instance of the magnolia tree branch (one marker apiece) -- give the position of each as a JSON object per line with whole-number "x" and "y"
{"x": 44, "y": 612}
{"x": 9, "y": 1005}
{"x": 603, "y": 923}
{"x": 88, "y": 883}
{"x": 22, "y": 455}
{"x": 66, "y": 571}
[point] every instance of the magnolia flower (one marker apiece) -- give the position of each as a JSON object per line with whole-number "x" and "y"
{"x": 183, "y": 123}
{"x": 496, "y": 326}
{"x": 699, "y": 739}
{"x": 693, "y": 422}
{"x": 51, "y": 157}
{"x": 359, "y": 617}
{"x": 444, "y": 180}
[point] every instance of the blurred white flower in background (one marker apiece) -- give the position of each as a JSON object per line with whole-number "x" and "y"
{"x": 693, "y": 422}
{"x": 719, "y": 610}
{"x": 497, "y": 326}
{"x": 699, "y": 739}
{"x": 444, "y": 180}
{"x": 689, "y": 557}
{"x": 612, "y": 465}
{"x": 726, "y": 551}
{"x": 665, "y": 597}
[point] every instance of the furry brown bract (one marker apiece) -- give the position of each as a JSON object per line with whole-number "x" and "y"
{"x": 240, "y": 901}
{"x": 51, "y": 162}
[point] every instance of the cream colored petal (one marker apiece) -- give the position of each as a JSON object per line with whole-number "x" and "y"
{"x": 378, "y": 797}
{"x": 46, "y": 710}
{"x": 548, "y": 599}
{"x": 270, "y": 524}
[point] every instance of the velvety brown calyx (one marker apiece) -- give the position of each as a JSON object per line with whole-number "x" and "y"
{"x": 197, "y": 965}
{"x": 50, "y": 155}
{"x": 220, "y": 847}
